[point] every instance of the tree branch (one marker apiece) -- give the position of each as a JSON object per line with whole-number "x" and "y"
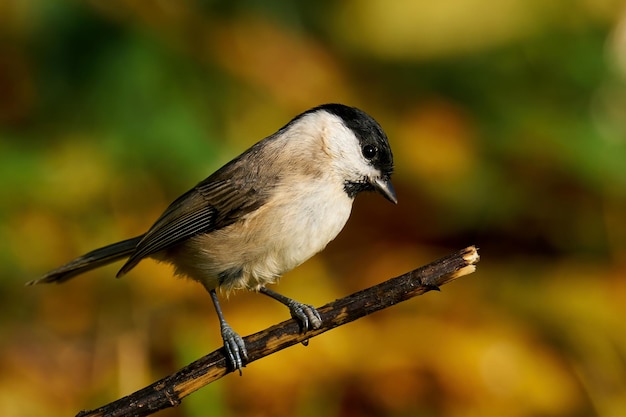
{"x": 170, "y": 391}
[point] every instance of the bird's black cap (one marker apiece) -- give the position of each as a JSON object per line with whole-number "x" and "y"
{"x": 367, "y": 130}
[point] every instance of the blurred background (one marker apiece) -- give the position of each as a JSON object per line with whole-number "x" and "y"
{"x": 508, "y": 123}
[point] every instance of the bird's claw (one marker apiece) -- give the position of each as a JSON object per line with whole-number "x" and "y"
{"x": 235, "y": 347}
{"x": 306, "y": 314}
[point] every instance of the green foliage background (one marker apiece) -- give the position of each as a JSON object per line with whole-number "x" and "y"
{"x": 508, "y": 123}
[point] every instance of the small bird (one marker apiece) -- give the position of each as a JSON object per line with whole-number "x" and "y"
{"x": 263, "y": 213}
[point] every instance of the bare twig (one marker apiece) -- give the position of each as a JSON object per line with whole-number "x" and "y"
{"x": 170, "y": 391}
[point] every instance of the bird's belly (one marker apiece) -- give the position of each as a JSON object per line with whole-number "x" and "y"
{"x": 258, "y": 249}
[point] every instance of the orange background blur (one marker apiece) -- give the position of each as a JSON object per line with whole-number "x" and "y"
{"x": 508, "y": 123}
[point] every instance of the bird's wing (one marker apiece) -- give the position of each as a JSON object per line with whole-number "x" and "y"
{"x": 216, "y": 202}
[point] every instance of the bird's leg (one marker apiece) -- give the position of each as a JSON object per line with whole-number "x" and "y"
{"x": 306, "y": 314}
{"x": 233, "y": 343}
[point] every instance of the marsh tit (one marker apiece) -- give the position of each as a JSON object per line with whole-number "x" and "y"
{"x": 264, "y": 213}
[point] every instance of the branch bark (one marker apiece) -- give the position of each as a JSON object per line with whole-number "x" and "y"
{"x": 169, "y": 391}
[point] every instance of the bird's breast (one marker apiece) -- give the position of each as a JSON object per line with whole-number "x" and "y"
{"x": 291, "y": 227}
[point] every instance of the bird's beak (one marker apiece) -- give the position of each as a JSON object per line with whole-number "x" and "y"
{"x": 385, "y": 188}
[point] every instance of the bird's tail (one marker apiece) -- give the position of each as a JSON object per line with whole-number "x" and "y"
{"x": 89, "y": 261}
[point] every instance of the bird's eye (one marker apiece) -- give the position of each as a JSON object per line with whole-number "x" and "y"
{"x": 369, "y": 151}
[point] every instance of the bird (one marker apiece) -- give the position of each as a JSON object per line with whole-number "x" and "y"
{"x": 262, "y": 214}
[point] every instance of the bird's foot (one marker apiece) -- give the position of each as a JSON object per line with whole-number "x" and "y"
{"x": 235, "y": 347}
{"x": 308, "y": 317}
{"x": 306, "y": 314}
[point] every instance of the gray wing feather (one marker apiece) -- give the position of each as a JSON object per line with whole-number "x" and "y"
{"x": 214, "y": 203}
